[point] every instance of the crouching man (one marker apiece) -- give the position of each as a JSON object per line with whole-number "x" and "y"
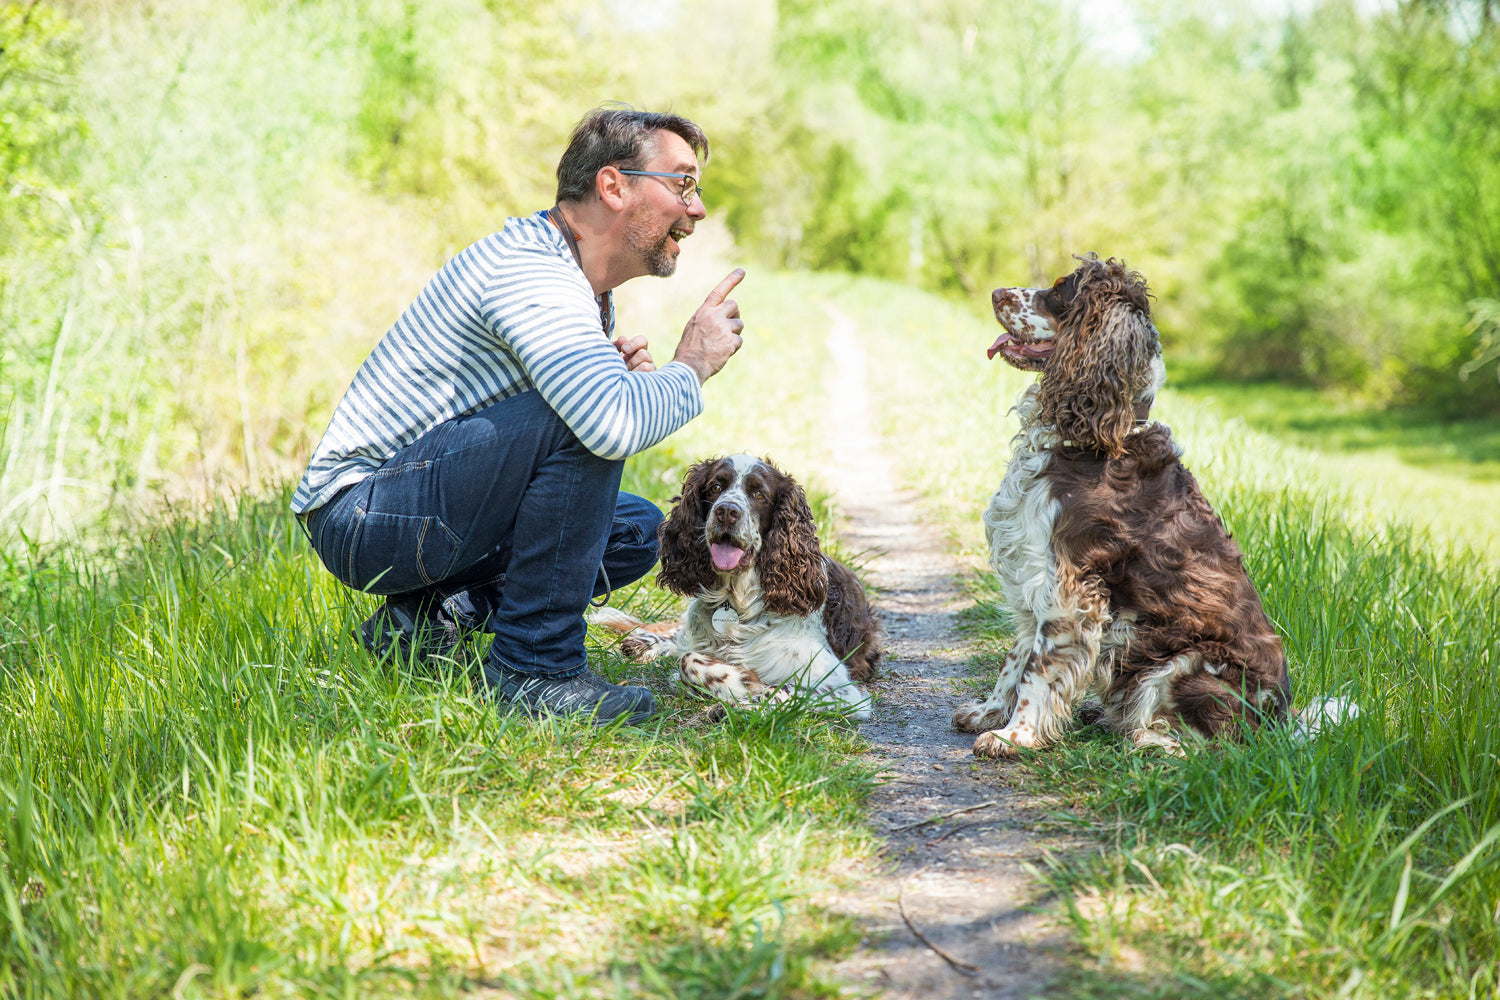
{"x": 471, "y": 472}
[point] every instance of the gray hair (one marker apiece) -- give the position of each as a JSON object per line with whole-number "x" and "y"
{"x": 617, "y": 136}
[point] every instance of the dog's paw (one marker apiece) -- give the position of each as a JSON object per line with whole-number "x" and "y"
{"x": 701, "y": 671}
{"x": 991, "y": 745}
{"x": 1158, "y": 736}
{"x": 978, "y": 717}
{"x": 611, "y": 618}
{"x": 1004, "y": 743}
{"x": 758, "y": 693}
{"x": 635, "y": 647}
{"x": 643, "y": 646}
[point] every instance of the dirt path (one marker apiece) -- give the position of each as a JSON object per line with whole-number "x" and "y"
{"x": 963, "y": 881}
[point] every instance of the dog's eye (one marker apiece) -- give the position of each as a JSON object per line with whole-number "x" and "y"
{"x": 1061, "y": 294}
{"x": 716, "y": 488}
{"x": 759, "y": 494}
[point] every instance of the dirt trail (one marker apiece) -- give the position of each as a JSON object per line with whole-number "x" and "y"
{"x": 962, "y": 881}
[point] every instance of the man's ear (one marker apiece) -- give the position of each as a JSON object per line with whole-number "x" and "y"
{"x": 610, "y": 185}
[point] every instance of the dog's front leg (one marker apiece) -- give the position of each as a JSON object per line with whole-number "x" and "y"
{"x": 1056, "y": 676}
{"x": 978, "y": 716}
{"x": 835, "y": 689}
{"x": 724, "y": 681}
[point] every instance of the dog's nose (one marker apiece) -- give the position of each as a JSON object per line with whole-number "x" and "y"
{"x": 726, "y": 516}
{"x": 1009, "y": 297}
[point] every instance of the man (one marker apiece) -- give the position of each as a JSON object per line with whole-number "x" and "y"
{"x": 471, "y": 472}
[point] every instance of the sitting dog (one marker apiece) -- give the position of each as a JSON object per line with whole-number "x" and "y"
{"x": 1122, "y": 581}
{"x": 769, "y": 614}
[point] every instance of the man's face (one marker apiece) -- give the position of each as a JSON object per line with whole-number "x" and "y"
{"x": 657, "y": 220}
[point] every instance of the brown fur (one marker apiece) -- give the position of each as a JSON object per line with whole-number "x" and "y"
{"x": 1139, "y": 525}
{"x": 791, "y": 564}
{"x": 851, "y": 627}
{"x": 1102, "y": 357}
{"x": 685, "y": 564}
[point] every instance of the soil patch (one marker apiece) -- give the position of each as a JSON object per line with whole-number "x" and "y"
{"x": 962, "y": 882}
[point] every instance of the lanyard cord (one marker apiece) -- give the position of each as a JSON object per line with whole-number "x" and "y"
{"x": 606, "y": 301}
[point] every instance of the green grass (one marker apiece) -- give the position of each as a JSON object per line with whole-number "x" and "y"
{"x": 1441, "y": 475}
{"x": 1463, "y": 449}
{"x": 207, "y": 782}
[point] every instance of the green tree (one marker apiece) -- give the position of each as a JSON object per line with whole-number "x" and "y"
{"x": 1428, "y": 84}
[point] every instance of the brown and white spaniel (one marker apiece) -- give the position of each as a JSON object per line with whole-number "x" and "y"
{"x": 1122, "y": 581}
{"x": 769, "y": 615}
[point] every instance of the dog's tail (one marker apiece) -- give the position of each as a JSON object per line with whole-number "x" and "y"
{"x": 613, "y": 619}
{"x": 1322, "y": 716}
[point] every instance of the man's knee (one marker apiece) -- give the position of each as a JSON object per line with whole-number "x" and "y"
{"x": 641, "y": 514}
{"x": 633, "y": 544}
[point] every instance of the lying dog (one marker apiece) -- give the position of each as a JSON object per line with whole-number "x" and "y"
{"x": 1122, "y": 580}
{"x": 769, "y": 614}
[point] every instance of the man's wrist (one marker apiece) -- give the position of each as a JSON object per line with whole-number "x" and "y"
{"x": 699, "y": 366}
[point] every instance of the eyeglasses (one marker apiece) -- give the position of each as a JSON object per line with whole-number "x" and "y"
{"x": 689, "y": 183}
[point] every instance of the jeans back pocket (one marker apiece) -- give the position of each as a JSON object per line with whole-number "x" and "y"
{"x": 397, "y": 553}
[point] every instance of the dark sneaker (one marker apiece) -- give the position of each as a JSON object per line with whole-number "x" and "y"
{"x": 585, "y": 694}
{"x": 408, "y": 624}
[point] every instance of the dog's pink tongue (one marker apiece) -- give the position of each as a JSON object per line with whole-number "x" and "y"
{"x": 725, "y": 556}
{"x": 995, "y": 347}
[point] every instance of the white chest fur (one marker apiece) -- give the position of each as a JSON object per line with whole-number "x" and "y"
{"x": 720, "y": 621}
{"x": 1018, "y": 522}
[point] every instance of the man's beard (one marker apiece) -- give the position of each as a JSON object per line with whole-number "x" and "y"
{"x": 653, "y": 250}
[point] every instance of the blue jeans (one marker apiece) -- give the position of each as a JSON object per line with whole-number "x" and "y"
{"x": 504, "y": 518}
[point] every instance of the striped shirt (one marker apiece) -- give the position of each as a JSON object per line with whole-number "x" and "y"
{"x": 509, "y": 314}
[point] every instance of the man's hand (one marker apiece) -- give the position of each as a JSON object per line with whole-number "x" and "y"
{"x": 637, "y": 358}
{"x": 714, "y": 332}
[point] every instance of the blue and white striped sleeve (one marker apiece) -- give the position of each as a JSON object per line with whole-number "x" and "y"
{"x": 553, "y": 329}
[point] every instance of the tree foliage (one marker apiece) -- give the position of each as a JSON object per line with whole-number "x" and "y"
{"x": 204, "y": 203}
{"x": 1314, "y": 195}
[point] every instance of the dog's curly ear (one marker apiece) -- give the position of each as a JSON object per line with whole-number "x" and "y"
{"x": 792, "y": 574}
{"x": 685, "y": 565}
{"x": 1102, "y": 362}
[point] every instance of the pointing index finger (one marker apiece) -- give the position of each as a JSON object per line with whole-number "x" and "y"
{"x": 722, "y": 289}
